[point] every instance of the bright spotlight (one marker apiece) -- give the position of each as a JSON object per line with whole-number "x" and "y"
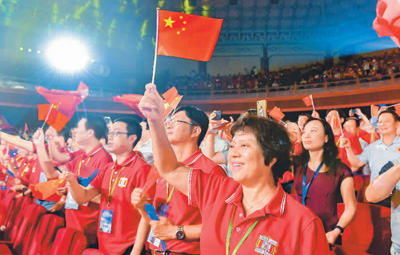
{"x": 67, "y": 55}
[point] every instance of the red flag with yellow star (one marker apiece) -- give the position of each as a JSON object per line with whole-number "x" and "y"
{"x": 52, "y": 116}
{"x": 171, "y": 100}
{"x": 47, "y": 190}
{"x": 187, "y": 36}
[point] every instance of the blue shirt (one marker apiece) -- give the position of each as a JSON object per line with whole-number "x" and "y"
{"x": 377, "y": 154}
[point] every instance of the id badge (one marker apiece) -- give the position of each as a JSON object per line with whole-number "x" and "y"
{"x": 153, "y": 240}
{"x": 70, "y": 203}
{"x": 106, "y": 221}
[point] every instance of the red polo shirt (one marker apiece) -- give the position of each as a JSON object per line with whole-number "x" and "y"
{"x": 85, "y": 218}
{"x": 179, "y": 212}
{"x": 285, "y": 226}
{"x": 129, "y": 175}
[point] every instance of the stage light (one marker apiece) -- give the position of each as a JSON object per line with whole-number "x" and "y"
{"x": 21, "y": 48}
{"x": 67, "y": 55}
{"x": 29, "y": 50}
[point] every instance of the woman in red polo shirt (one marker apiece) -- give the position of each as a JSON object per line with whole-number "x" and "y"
{"x": 321, "y": 178}
{"x": 249, "y": 213}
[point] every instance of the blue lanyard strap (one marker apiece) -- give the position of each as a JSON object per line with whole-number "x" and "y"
{"x": 307, "y": 186}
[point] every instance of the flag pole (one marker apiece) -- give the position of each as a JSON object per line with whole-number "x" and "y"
{"x": 48, "y": 113}
{"x": 155, "y": 52}
{"x": 312, "y": 101}
{"x": 393, "y": 105}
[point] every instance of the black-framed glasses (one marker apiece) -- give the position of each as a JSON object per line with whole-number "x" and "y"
{"x": 173, "y": 122}
{"x": 116, "y": 133}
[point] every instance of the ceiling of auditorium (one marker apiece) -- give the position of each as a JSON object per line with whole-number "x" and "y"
{"x": 121, "y": 32}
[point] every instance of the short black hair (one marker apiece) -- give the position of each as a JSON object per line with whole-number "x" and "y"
{"x": 97, "y": 124}
{"x": 64, "y": 133}
{"x": 132, "y": 127}
{"x": 355, "y": 119}
{"x": 393, "y": 113}
{"x": 273, "y": 140}
{"x": 304, "y": 114}
{"x": 340, "y": 111}
{"x": 198, "y": 117}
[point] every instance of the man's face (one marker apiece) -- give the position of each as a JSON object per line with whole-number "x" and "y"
{"x": 81, "y": 133}
{"x": 351, "y": 126}
{"x": 119, "y": 141}
{"x": 301, "y": 121}
{"x": 387, "y": 124}
{"x": 179, "y": 128}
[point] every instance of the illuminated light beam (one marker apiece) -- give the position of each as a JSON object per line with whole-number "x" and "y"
{"x": 81, "y": 10}
{"x": 67, "y": 55}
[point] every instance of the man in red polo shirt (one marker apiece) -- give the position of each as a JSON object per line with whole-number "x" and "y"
{"x": 181, "y": 228}
{"x": 120, "y": 228}
{"x": 89, "y": 131}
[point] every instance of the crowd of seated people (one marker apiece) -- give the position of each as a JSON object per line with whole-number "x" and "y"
{"x": 350, "y": 67}
{"x": 258, "y": 182}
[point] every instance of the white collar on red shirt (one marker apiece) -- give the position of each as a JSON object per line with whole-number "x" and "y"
{"x": 195, "y": 159}
{"x": 275, "y": 207}
{"x": 127, "y": 161}
{"x": 94, "y": 151}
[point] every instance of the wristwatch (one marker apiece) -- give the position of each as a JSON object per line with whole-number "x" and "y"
{"x": 180, "y": 235}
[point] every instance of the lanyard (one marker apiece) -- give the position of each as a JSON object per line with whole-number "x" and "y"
{"x": 80, "y": 163}
{"x": 111, "y": 190}
{"x": 307, "y": 186}
{"x": 170, "y": 194}
{"x": 337, "y": 143}
{"x": 228, "y": 238}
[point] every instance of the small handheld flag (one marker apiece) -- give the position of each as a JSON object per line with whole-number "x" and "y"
{"x": 277, "y": 114}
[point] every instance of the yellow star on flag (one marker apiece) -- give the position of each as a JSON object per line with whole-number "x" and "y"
{"x": 169, "y": 22}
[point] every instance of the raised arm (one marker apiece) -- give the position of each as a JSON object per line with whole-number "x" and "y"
{"x": 44, "y": 159}
{"x": 354, "y": 161}
{"x": 382, "y": 186}
{"x": 15, "y": 140}
{"x": 152, "y": 107}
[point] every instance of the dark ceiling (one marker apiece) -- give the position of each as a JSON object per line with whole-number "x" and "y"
{"x": 120, "y": 33}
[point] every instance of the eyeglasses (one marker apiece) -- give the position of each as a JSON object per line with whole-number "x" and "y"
{"x": 116, "y": 133}
{"x": 172, "y": 122}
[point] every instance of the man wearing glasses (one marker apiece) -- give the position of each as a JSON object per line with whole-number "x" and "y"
{"x": 180, "y": 224}
{"x": 120, "y": 228}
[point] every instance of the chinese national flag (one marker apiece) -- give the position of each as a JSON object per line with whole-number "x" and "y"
{"x": 276, "y": 113}
{"x": 171, "y": 100}
{"x": 308, "y": 100}
{"x": 52, "y": 116}
{"x": 47, "y": 190}
{"x": 335, "y": 122}
{"x": 130, "y": 100}
{"x": 387, "y": 22}
{"x": 187, "y": 36}
{"x": 67, "y": 100}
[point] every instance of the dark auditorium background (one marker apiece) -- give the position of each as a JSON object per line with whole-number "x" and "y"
{"x": 279, "y": 50}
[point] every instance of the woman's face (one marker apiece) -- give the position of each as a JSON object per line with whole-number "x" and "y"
{"x": 314, "y": 137}
{"x": 245, "y": 158}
